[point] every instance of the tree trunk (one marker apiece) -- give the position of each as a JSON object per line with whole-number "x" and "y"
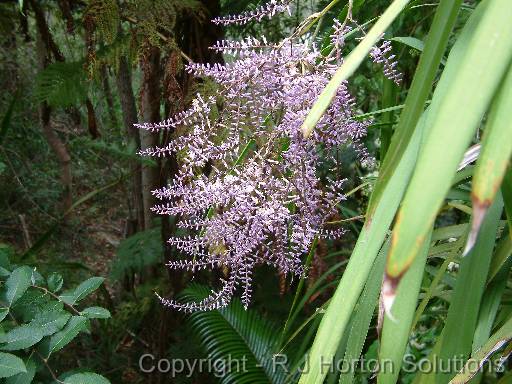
{"x": 128, "y": 106}
{"x": 150, "y": 112}
{"x": 108, "y": 95}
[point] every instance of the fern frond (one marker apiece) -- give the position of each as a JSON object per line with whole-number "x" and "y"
{"x": 236, "y": 334}
{"x": 106, "y": 18}
{"x": 61, "y": 84}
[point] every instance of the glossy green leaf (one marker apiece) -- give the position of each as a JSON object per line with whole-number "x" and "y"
{"x": 494, "y": 156}
{"x": 55, "y": 282}
{"x": 24, "y": 377}
{"x": 86, "y": 378}
{"x": 49, "y": 322}
{"x": 96, "y": 313}
{"x": 17, "y": 284}
{"x": 83, "y": 290}
{"x": 21, "y": 337}
{"x": 10, "y": 365}
{"x": 60, "y": 339}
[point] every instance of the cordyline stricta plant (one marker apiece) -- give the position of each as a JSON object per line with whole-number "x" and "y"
{"x": 263, "y": 202}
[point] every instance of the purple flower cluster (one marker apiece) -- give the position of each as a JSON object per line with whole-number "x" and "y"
{"x": 261, "y": 200}
{"x": 268, "y": 9}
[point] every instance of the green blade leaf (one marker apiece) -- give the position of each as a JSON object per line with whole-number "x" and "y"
{"x": 362, "y": 316}
{"x": 500, "y": 338}
{"x": 10, "y": 365}
{"x": 96, "y": 313}
{"x": 494, "y": 156}
{"x": 430, "y": 59}
{"x": 83, "y": 290}
{"x": 395, "y": 332}
{"x": 471, "y": 83}
{"x": 340, "y": 309}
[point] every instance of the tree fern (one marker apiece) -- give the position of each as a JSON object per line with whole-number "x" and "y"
{"x": 235, "y": 333}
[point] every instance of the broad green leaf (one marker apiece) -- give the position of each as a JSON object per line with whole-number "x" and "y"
{"x": 83, "y": 290}
{"x": 86, "y": 378}
{"x": 96, "y": 313}
{"x": 60, "y": 339}
{"x": 10, "y": 365}
{"x": 55, "y": 282}
{"x": 24, "y": 377}
{"x": 350, "y": 64}
{"x": 494, "y": 156}
{"x": 17, "y": 284}
{"x": 21, "y": 337}
{"x": 472, "y": 83}
{"x": 51, "y": 321}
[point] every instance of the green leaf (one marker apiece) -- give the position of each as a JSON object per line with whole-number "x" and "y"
{"x": 82, "y": 291}
{"x": 362, "y": 317}
{"x": 240, "y": 334}
{"x": 435, "y": 46}
{"x": 96, "y": 313}
{"x": 60, "y": 339}
{"x": 395, "y": 331}
{"x": 50, "y": 321}
{"x": 3, "y": 313}
{"x": 17, "y": 284}
{"x": 55, "y": 282}
{"x": 494, "y": 156}
{"x": 86, "y": 378}
{"x": 465, "y": 302}
{"x": 61, "y": 84}
{"x": 340, "y": 309}
{"x": 10, "y": 365}
{"x": 21, "y": 337}
{"x": 495, "y": 342}
{"x": 350, "y": 64}
{"x": 471, "y": 83}
{"x": 24, "y": 377}
{"x": 410, "y": 41}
